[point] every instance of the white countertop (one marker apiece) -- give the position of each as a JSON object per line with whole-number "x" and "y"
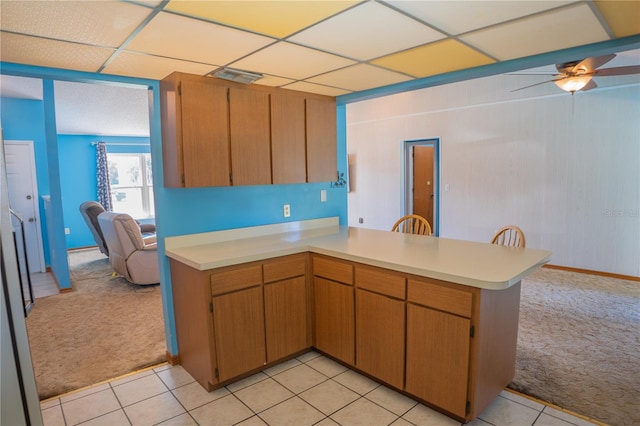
{"x": 474, "y": 264}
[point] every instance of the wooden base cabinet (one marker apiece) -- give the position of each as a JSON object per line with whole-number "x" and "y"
{"x": 380, "y": 324}
{"x": 438, "y": 358}
{"x": 238, "y": 320}
{"x": 334, "y": 308}
{"x": 449, "y": 345}
{"x": 286, "y": 301}
{"x": 235, "y": 320}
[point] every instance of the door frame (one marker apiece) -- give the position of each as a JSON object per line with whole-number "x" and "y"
{"x": 36, "y": 196}
{"x": 407, "y": 181}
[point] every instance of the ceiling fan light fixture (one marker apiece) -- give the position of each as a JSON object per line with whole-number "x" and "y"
{"x": 573, "y": 84}
{"x": 240, "y": 76}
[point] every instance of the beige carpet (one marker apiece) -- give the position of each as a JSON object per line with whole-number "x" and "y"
{"x": 579, "y": 344}
{"x": 105, "y": 328}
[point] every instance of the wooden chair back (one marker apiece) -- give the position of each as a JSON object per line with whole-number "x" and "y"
{"x": 510, "y": 235}
{"x": 412, "y": 224}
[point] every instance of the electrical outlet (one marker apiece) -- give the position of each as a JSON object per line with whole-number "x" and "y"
{"x": 67, "y": 231}
{"x": 323, "y": 195}
{"x": 286, "y": 210}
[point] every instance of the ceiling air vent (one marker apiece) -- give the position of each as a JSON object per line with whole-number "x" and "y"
{"x": 240, "y": 76}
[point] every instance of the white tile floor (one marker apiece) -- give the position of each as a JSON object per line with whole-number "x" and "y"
{"x": 308, "y": 390}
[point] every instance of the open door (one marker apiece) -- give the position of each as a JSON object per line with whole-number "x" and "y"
{"x": 423, "y": 187}
{"x": 421, "y": 191}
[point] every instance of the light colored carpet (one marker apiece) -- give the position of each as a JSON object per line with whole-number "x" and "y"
{"x": 579, "y": 344}
{"x": 105, "y": 328}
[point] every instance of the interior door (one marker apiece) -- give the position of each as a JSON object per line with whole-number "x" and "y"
{"x": 23, "y": 197}
{"x": 423, "y": 184}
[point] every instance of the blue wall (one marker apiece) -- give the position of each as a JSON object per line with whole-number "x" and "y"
{"x": 78, "y": 178}
{"x": 23, "y": 119}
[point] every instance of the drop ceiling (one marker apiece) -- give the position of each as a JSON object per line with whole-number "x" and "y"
{"x": 328, "y": 47}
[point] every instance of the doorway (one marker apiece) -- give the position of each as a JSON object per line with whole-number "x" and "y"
{"x": 421, "y": 181}
{"x": 23, "y": 198}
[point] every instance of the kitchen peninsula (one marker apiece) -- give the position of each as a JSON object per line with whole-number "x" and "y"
{"x": 432, "y": 317}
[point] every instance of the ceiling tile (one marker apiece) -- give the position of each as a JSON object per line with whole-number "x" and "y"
{"x": 12, "y": 86}
{"x": 153, "y": 67}
{"x": 100, "y": 23}
{"x": 367, "y": 31}
{"x": 303, "y": 86}
{"x": 99, "y": 109}
{"x": 457, "y": 17}
{"x": 274, "y": 18}
{"x": 195, "y": 40}
{"x": 548, "y": 32}
{"x": 360, "y": 77}
{"x": 623, "y": 17}
{"x": 436, "y": 58}
{"x": 273, "y": 81}
{"x": 291, "y": 61}
{"x": 51, "y": 53}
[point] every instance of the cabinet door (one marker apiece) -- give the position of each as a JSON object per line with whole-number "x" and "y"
{"x": 288, "y": 161}
{"x": 438, "y": 358}
{"x": 205, "y": 134}
{"x": 380, "y": 322}
{"x": 238, "y": 320}
{"x": 285, "y": 304}
{"x": 250, "y": 137}
{"x": 322, "y": 158}
{"x": 334, "y": 319}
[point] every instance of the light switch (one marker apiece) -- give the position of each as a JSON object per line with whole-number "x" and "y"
{"x": 323, "y": 195}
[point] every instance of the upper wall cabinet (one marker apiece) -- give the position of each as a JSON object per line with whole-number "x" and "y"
{"x": 220, "y": 133}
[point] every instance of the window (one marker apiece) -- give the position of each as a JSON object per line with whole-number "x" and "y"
{"x": 131, "y": 184}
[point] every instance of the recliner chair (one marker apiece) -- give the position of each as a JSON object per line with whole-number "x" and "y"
{"x": 131, "y": 255}
{"x": 90, "y": 211}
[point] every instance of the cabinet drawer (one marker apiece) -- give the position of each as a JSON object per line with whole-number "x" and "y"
{"x": 283, "y": 268}
{"x": 440, "y": 297}
{"x": 231, "y": 279}
{"x": 333, "y": 270}
{"x": 381, "y": 281}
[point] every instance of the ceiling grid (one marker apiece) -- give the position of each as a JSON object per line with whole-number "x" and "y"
{"x": 327, "y": 47}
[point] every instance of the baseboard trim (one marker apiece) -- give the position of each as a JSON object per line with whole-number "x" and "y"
{"x": 173, "y": 359}
{"x": 592, "y": 272}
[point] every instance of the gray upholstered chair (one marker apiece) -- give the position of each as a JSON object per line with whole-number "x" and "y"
{"x": 131, "y": 255}
{"x": 90, "y": 211}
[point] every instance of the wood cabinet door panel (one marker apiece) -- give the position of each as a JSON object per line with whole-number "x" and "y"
{"x": 205, "y": 134}
{"x": 333, "y": 269}
{"x": 441, "y": 296}
{"x": 249, "y": 134}
{"x": 381, "y": 281}
{"x": 322, "y": 158}
{"x": 286, "y": 267}
{"x": 285, "y": 304}
{"x": 437, "y": 368}
{"x": 380, "y": 324}
{"x": 234, "y": 278}
{"x": 288, "y": 151}
{"x": 334, "y": 319}
{"x": 238, "y": 320}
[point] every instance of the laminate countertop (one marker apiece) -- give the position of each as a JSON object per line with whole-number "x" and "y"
{"x": 469, "y": 263}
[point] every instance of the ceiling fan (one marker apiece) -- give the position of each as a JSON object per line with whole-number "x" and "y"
{"x": 577, "y": 75}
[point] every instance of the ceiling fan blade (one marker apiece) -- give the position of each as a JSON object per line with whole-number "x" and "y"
{"x": 590, "y": 64}
{"x": 590, "y": 85}
{"x": 532, "y": 85}
{"x": 632, "y": 69}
